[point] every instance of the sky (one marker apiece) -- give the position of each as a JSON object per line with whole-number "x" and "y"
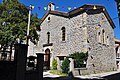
{"x": 63, "y": 5}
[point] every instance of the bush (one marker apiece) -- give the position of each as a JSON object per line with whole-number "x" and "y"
{"x": 65, "y": 65}
{"x": 54, "y": 64}
{"x": 79, "y": 58}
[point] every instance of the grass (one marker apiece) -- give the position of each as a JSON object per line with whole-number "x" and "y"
{"x": 57, "y": 72}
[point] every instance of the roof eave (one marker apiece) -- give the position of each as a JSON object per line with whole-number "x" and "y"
{"x": 80, "y": 10}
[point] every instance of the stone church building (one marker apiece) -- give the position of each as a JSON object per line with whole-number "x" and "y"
{"x": 88, "y": 28}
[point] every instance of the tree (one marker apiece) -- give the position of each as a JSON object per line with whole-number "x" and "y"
{"x": 65, "y": 65}
{"x": 80, "y": 59}
{"x": 13, "y": 23}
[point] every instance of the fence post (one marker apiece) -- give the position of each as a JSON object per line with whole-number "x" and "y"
{"x": 20, "y": 58}
{"x": 71, "y": 66}
{"x": 40, "y": 62}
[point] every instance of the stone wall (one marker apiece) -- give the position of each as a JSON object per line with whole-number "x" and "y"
{"x": 81, "y": 36}
{"x": 54, "y": 27}
{"x": 101, "y": 55}
{"x": 78, "y": 36}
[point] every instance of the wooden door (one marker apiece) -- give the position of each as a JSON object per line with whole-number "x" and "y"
{"x": 47, "y": 59}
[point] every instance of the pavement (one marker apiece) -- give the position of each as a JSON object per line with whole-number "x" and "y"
{"x": 90, "y": 77}
{"x": 103, "y": 74}
{"x": 48, "y": 74}
{"x": 114, "y": 75}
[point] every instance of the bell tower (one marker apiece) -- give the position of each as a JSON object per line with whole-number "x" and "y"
{"x": 51, "y": 6}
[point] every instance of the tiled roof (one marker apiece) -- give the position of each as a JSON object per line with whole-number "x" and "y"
{"x": 117, "y": 40}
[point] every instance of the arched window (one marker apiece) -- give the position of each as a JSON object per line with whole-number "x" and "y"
{"x": 63, "y": 33}
{"x": 103, "y": 36}
{"x": 99, "y": 37}
{"x": 48, "y": 36}
{"x": 107, "y": 40}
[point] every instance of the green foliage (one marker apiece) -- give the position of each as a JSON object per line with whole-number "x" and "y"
{"x": 14, "y": 22}
{"x": 79, "y": 58}
{"x": 65, "y": 65}
{"x": 54, "y": 64}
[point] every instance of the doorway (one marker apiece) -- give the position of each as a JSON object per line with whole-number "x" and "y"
{"x": 47, "y": 59}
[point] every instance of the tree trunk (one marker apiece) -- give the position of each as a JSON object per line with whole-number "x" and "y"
{"x": 10, "y": 51}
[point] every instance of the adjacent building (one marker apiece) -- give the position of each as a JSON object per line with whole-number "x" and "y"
{"x": 117, "y": 49}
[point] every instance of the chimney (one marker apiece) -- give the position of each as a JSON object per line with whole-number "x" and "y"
{"x": 51, "y": 6}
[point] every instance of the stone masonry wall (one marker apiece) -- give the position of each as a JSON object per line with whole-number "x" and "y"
{"x": 101, "y": 55}
{"x": 74, "y": 35}
{"x": 54, "y": 27}
{"x": 80, "y": 30}
{"x": 78, "y": 33}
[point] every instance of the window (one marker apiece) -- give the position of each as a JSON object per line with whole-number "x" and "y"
{"x": 61, "y": 57}
{"x": 48, "y": 36}
{"x": 103, "y": 36}
{"x": 63, "y": 33}
{"x": 85, "y": 43}
{"x": 99, "y": 38}
{"x": 48, "y": 18}
{"x": 85, "y": 33}
{"x": 107, "y": 41}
